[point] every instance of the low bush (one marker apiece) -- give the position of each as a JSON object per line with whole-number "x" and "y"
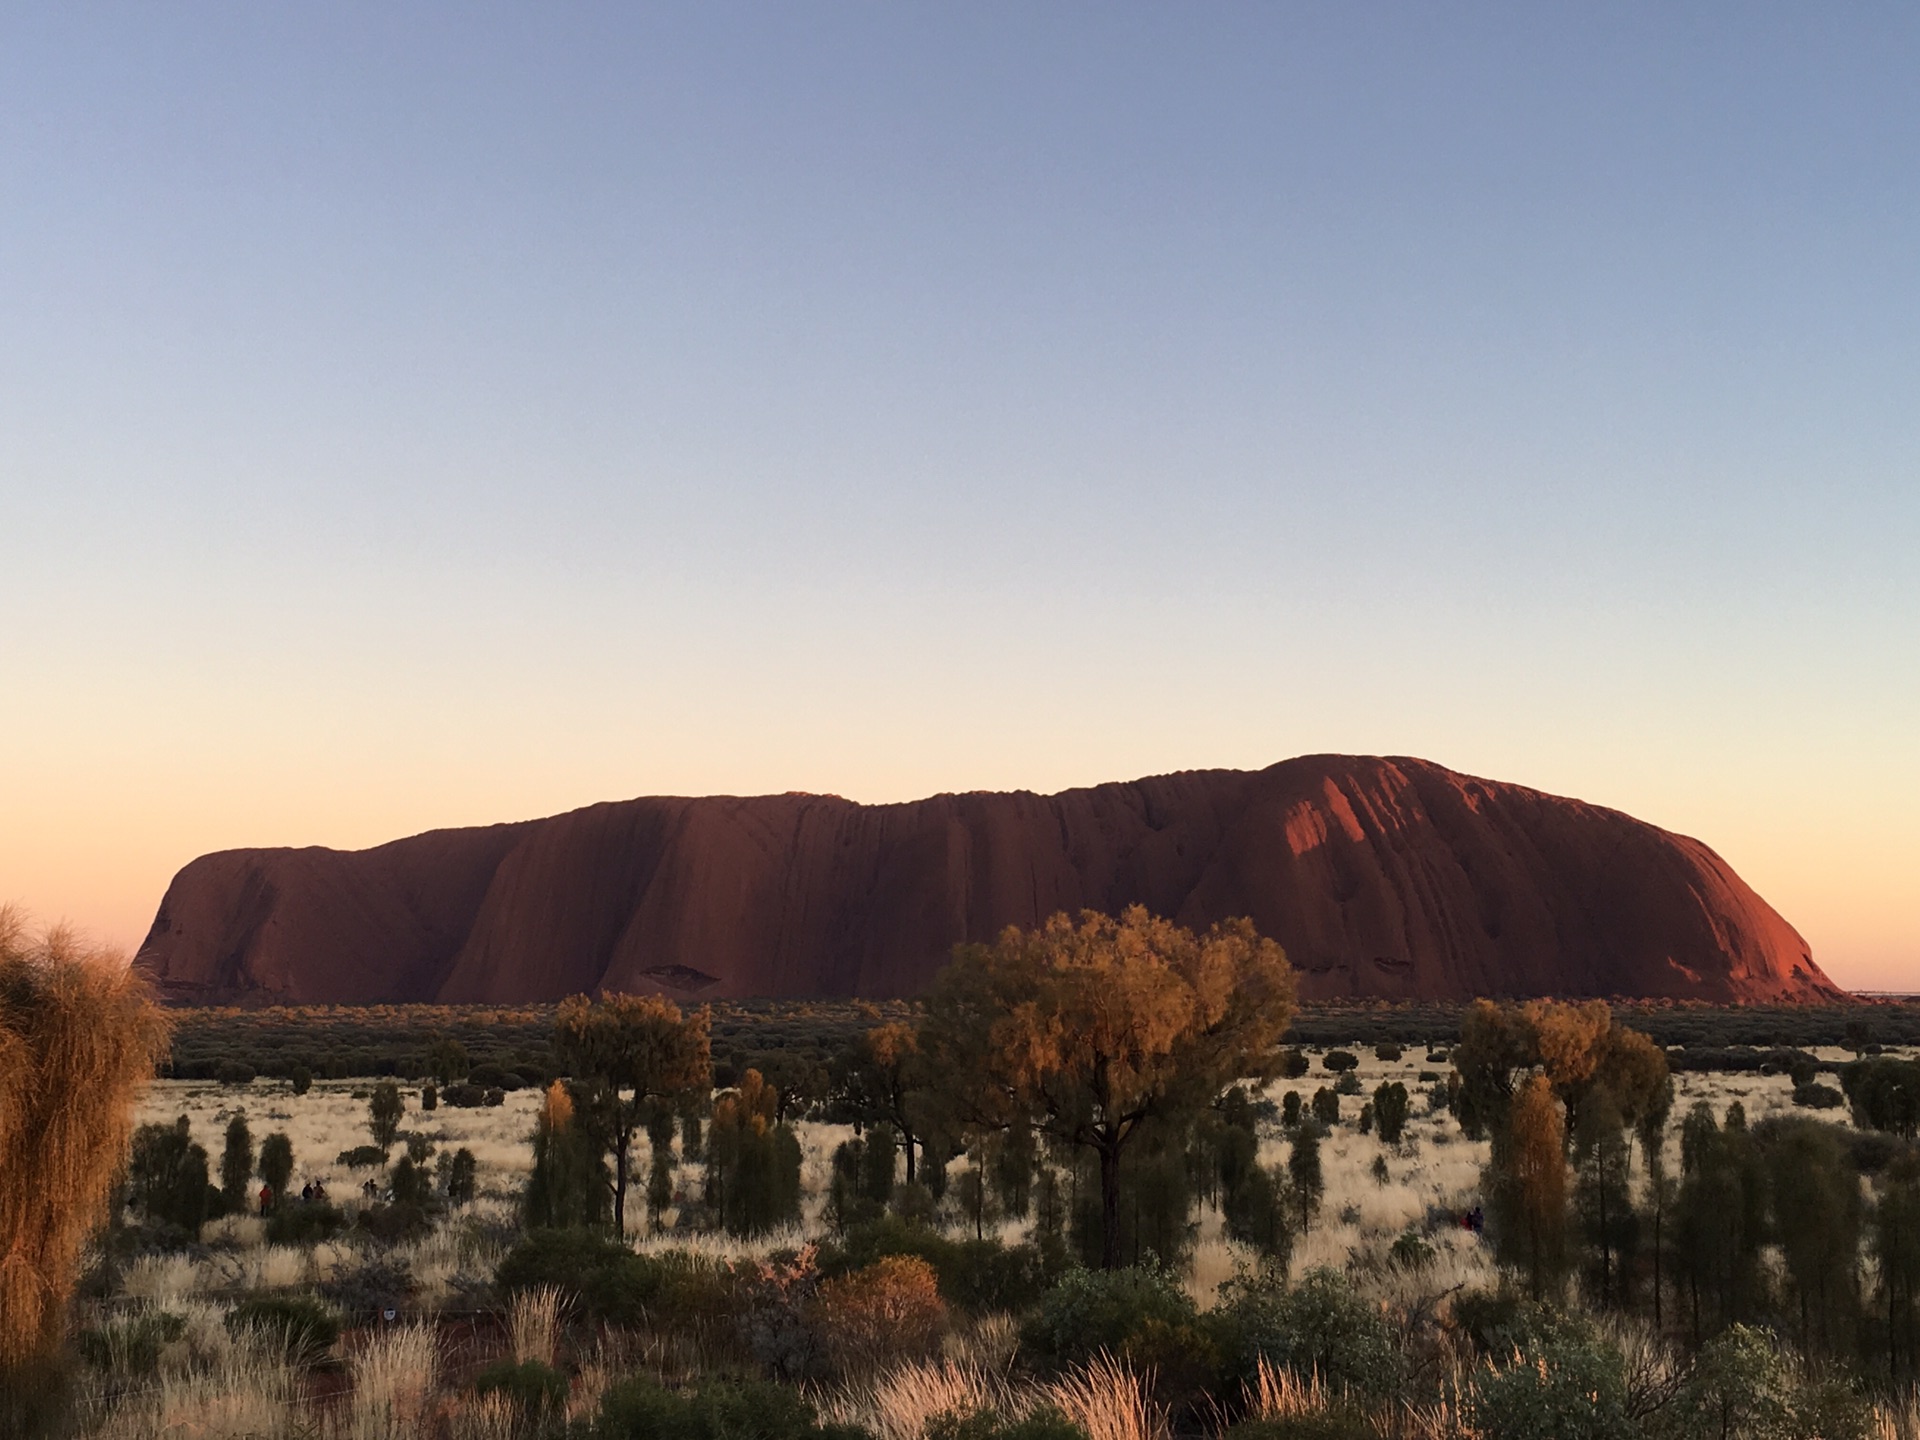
{"x": 364, "y": 1291}
{"x": 1387, "y": 1050}
{"x": 234, "y": 1072}
{"x": 1742, "y": 1383}
{"x": 131, "y": 1346}
{"x": 643, "y": 1409}
{"x": 304, "y": 1222}
{"x": 1320, "y": 1327}
{"x": 1339, "y": 1061}
{"x": 1565, "y": 1383}
{"x": 611, "y": 1283}
{"x": 362, "y": 1157}
{"x": 883, "y": 1315}
{"x": 1815, "y": 1096}
{"x": 1112, "y": 1310}
{"x": 535, "y": 1390}
{"x": 976, "y": 1276}
{"x": 310, "y": 1328}
{"x": 395, "y": 1222}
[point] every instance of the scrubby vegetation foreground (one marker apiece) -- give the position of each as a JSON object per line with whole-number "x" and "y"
{"x": 1086, "y": 1191}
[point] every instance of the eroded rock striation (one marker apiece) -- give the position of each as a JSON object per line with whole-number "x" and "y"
{"x": 1390, "y": 878}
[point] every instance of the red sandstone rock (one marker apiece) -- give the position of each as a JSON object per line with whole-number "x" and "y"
{"x": 1389, "y": 878}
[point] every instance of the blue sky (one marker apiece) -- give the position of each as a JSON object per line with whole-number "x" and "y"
{"x": 427, "y": 415}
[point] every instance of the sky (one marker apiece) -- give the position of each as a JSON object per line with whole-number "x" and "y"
{"x": 424, "y": 415}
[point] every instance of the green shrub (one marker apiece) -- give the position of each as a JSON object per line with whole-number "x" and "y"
{"x": 610, "y": 1282}
{"x": 643, "y": 1409}
{"x": 310, "y": 1328}
{"x": 1320, "y": 1326}
{"x": 1815, "y": 1096}
{"x": 303, "y": 1222}
{"x": 975, "y": 1275}
{"x": 1045, "y": 1423}
{"x": 364, "y": 1291}
{"x": 1094, "y": 1310}
{"x": 1742, "y": 1384}
{"x": 390, "y": 1223}
{"x": 535, "y": 1390}
{"x": 276, "y": 1162}
{"x": 1566, "y": 1384}
{"x": 361, "y": 1157}
{"x": 131, "y": 1346}
{"x": 460, "y": 1175}
{"x": 1387, "y": 1050}
{"x": 1340, "y": 1061}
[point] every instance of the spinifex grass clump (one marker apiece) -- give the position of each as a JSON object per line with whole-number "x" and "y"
{"x": 79, "y": 1037}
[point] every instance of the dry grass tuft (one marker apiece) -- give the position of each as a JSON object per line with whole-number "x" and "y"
{"x": 79, "y": 1035}
{"x": 248, "y": 1393}
{"x": 1278, "y": 1393}
{"x": 898, "y": 1404}
{"x": 534, "y": 1321}
{"x": 394, "y": 1380}
{"x": 1110, "y": 1402}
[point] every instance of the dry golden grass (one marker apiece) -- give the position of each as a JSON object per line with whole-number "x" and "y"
{"x": 79, "y": 1036}
{"x": 534, "y": 1321}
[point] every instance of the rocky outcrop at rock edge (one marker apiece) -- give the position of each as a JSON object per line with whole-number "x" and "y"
{"x": 1388, "y": 878}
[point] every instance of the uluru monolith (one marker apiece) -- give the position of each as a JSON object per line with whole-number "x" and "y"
{"x": 1386, "y": 878}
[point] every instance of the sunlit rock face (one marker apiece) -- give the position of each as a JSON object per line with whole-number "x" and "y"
{"x": 1387, "y": 878}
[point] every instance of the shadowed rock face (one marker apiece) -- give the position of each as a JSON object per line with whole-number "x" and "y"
{"x": 1388, "y": 878}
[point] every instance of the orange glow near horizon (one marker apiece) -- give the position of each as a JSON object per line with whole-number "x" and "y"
{"x": 100, "y": 854}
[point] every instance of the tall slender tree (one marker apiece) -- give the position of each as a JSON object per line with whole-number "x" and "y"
{"x": 623, "y": 1052}
{"x": 1529, "y": 1189}
{"x": 236, "y": 1163}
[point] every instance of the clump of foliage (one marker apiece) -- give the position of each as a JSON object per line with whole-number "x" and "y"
{"x": 276, "y": 1162}
{"x": 308, "y": 1328}
{"x": 1091, "y": 1311}
{"x": 624, "y": 1054}
{"x": 385, "y": 1107}
{"x": 604, "y": 1278}
{"x": 304, "y": 1222}
{"x": 536, "y": 1391}
{"x": 753, "y": 1162}
{"x": 643, "y": 1409}
{"x": 884, "y": 1314}
{"x": 1086, "y": 1030}
{"x": 977, "y": 1276}
{"x": 1318, "y": 1328}
{"x": 167, "y": 1176}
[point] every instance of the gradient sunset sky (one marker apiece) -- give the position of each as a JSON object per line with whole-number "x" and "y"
{"x": 420, "y": 415}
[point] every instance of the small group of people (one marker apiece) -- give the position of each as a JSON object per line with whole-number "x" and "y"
{"x": 312, "y": 1190}
{"x": 1474, "y": 1220}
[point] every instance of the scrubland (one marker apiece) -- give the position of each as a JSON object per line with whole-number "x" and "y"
{"x": 168, "y": 1359}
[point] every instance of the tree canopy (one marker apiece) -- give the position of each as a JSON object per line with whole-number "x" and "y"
{"x": 1086, "y": 1029}
{"x": 623, "y": 1051}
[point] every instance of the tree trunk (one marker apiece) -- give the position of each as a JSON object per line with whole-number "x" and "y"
{"x": 1109, "y": 1206}
{"x": 906, "y": 1141}
{"x": 621, "y": 1145}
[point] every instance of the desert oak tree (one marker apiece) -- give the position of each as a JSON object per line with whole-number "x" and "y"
{"x": 622, "y": 1052}
{"x": 1086, "y": 1029}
